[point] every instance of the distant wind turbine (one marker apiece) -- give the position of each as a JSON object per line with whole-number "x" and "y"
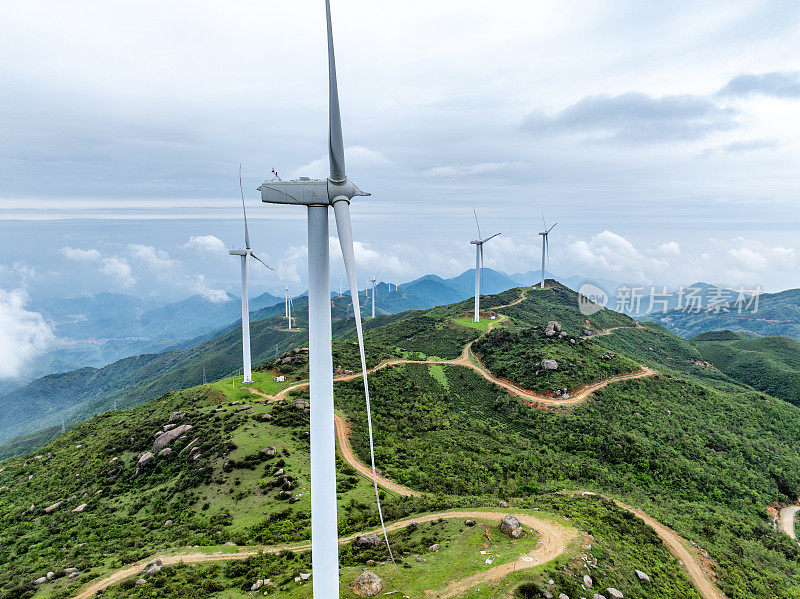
{"x": 478, "y": 243}
{"x": 288, "y": 304}
{"x": 545, "y": 245}
{"x": 372, "y": 280}
{"x": 318, "y": 196}
{"x": 245, "y": 254}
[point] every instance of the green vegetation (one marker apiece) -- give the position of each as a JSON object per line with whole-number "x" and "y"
{"x": 517, "y": 357}
{"x": 768, "y": 364}
{"x": 702, "y": 461}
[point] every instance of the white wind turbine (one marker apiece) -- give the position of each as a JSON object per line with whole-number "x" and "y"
{"x": 545, "y": 245}
{"x": 478, "y": 243}
{"x": 288, "y": 304}
{"x": 318, "y": 196}
{"x": 372, "y": 280}
{"x": 245, "y": 253}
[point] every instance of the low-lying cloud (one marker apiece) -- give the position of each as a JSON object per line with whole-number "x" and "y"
{"x": 24, "y": 335}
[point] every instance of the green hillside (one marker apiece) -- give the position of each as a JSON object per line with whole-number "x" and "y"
{"x": 769, "y": 364}
{"x": 778, "y": 314}
{"x": 697, "y": 449}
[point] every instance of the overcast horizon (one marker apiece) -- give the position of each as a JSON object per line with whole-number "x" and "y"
{"x": 661, "y": 139}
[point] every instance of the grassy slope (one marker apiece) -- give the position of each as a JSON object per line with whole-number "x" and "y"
{"x": 703, "y": 461}
{"x": 769, "y": 364}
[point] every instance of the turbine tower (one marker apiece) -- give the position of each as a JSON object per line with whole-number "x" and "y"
{"x": 244, "y": 254}
{"x": 318, "y": 196}
{"x": 545, "y": 245}
{"x": 287, "y": 306}
{"x": 372, "y": 280}
{"x": 479, "y": 265}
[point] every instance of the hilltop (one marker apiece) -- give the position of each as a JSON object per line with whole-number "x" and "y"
{"x": 465, "y": 415}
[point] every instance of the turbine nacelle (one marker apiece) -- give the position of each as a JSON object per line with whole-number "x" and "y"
{"x": 308, "y": 192}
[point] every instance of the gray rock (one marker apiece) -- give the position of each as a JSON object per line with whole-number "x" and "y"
{"x": 141, "y": 582}
{"x": 168, "y": 427}
{"x": 300, "y": 404}
{"x": 614, "y": 593}
{"x": 367, "y": 541}
{"x": 73, "y": 575}
{"x": 152, "y": 569}
{"x": 511, "y": 527}
{"x": 70, "y": 570}
{"x": 80, "y": 508}
{"x": 257, "y": 585}
{"x": 434, "y": 548}
{"x": 51, "y": 575}
{"x": 269, "y": 451}
{"x": 39, "y": 581}
{"x": 598, "y": 596}
{"x": 165, "y": 452}
{"x": 503, "y": 504}
{"x": 642, "y": 576}
{"x": 52, "y": 508}
{"x": 469, "y": 522}
{"x": 563, "y": 596}
{"x": 549, "y": 364}
{"x": 278, "y": 472}
{"x": 170, "y": 436}
{"x": 368, "y": 584}
{"x": 176, "y": 416}
{"x": 247, "y": 407}
{"x": 153, "y": 562}
{"x": 168, "y": 523}
{"x": 587, "y": 581}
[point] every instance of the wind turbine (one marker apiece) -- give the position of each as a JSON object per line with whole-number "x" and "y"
{"x": 479, "y": 265}
{"x": 372, "y": 280}
{"x": 245, "y": 254}
{"x": 545, "y": 245}
{"x": 287, "y": 304}
{"x": 318, "y": 196}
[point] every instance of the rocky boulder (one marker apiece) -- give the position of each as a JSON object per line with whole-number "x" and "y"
{"x": 52, "y": 508}
{"x": 587, "y": 581}
{"x": 434, "y": 548}
{"x": 78, "y": 510}
{"x": 503, "y": 504}
{"x": 176, "y": 416}
{"x": 300, "y": 404}
{"x": 614, "y": 593}
{"x": 642, "y": 576}
{"x": 549, "y": 364}
{"x": 511, "y": 527}
{"x": 40, "y": 580}
{"x": 367, "y": 541}
{"x": 552, "y": 328}
{"x": 269, "y": 451}
{"x": 368, "y": 584}
{"x": 170, "y": 436}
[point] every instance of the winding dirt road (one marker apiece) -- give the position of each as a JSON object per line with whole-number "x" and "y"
{"x": 468, "y": 359}
{"x": 553, "y": 541}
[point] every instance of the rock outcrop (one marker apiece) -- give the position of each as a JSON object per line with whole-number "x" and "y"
{"x": 511, "y": 527}
{"x": 367, "y": 541}
{"x": 170, "y": 436}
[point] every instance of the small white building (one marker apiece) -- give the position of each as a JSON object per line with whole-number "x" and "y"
{"x": 280, "y": 379}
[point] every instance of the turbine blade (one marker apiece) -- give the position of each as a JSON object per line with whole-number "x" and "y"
{"x": 543, "y": 221}
{"x": 551, "y": 228}
{"x": 335, "y": 141}
{"x": 241, "y": 192}
{"x": 260, "y": 260}
{"x": 491, "y": 237}
{"x": 476, "y": 220}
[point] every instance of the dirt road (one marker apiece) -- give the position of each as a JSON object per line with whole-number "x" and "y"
{"x": 787, "y": 520}
{"x": 553, "y": 541}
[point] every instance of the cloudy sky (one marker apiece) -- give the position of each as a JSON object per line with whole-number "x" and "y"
{"x": 664, "y": 139}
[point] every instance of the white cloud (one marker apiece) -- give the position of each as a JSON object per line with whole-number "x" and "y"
{"x": 157, "y": 261}
{"x": 671, "y": 248}
{"x": 357, "y": 158}
{"x": 79, "y": 255}
{"x": 754, "y": 256}
{"x": 206, "y": 243}
{"x": 215, "y": 296}
{"x": 23, "y": 334}
{"x": 481, "y": 168}
{"x": 611, "y": 255}
{"x": 119, "y": 270}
